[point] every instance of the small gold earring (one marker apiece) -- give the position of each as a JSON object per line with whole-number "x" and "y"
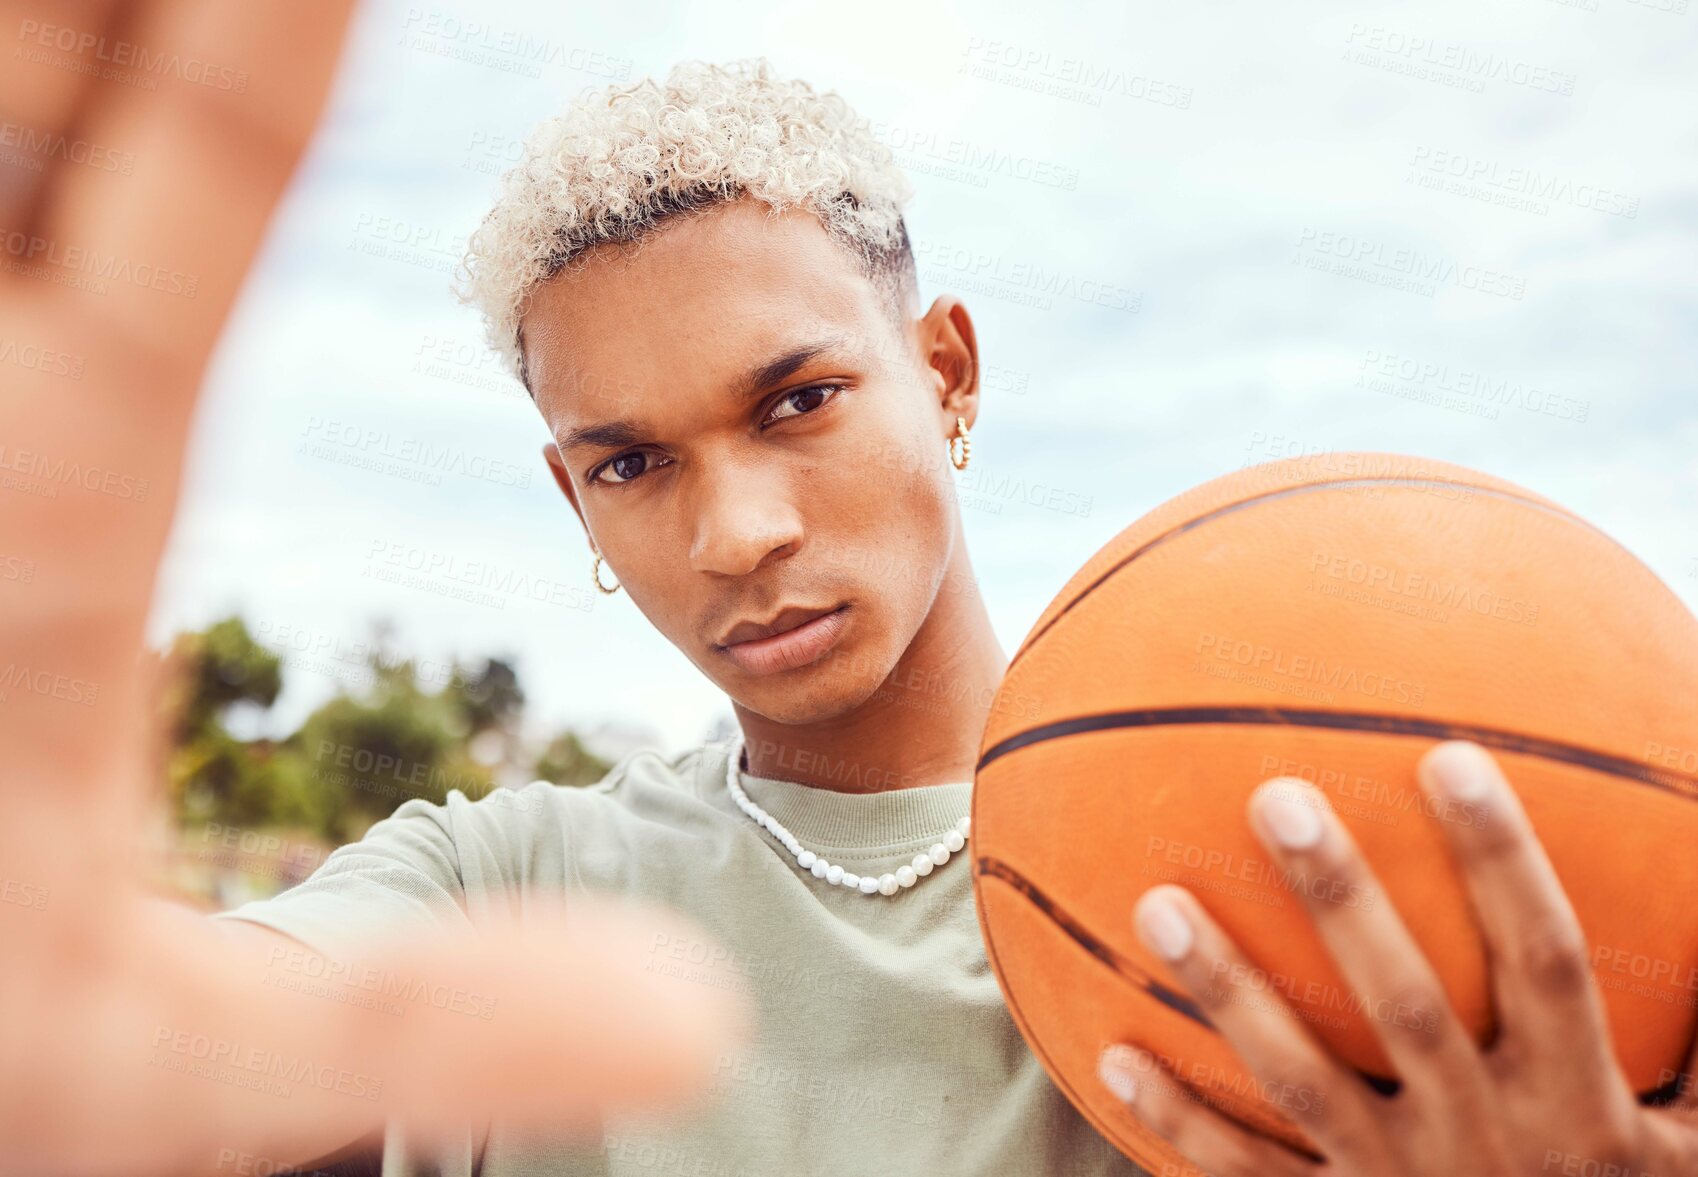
{"x": 595, "y": 573}
{"x": 966, "y": 452}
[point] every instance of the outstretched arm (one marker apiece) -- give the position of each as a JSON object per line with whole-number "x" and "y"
{"x": 137, "y": 1037}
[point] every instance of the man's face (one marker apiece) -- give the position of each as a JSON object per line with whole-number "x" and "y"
{"x": 821, "y": 485}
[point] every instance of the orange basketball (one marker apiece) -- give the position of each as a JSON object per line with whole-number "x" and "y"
{"x": 1333, "y": 618}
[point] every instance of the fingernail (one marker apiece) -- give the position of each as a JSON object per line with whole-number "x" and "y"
{"x": 1460, "y": 770}
{"x": 1164, "y": 927}
{"x": 1290, "y": 815}
{"x": 1114, "y": 1068}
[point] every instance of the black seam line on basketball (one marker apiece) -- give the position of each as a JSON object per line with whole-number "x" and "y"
{"x": 1127, "y": 971}
{"x": 1270, "y": 496}
{"x": 1397, "y": 725}
{"x": 986, "y": 866}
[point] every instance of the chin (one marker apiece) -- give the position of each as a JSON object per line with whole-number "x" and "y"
{"x": 815, "y": 693}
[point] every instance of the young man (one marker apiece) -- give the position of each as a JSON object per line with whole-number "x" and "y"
{"x": 707, "y": 289}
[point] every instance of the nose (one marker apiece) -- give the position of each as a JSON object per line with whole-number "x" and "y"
{"x": 745, "y": 516}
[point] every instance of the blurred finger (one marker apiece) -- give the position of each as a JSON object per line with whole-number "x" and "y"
{"x": 1301, "y": 1082}
{"x": 1400, "y": 995}
{"x": 1205, "y": 1137}
{"x": 1548, "y": 1005}
{"x": 549, "y": 1022}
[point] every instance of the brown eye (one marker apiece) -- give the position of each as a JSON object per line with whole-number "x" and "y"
{"x": 803, "y": 401}
{"x": 626, "y": 467}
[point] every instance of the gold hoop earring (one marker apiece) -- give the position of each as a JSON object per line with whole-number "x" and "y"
{"x": 966, "y": 445}
{"x": 595, "y": 574}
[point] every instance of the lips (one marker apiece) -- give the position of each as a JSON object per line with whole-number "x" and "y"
{"x": 792, "y": 640}
{"x": 749, "y": 631}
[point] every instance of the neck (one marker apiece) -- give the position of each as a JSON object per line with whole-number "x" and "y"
{"x": 922, "y": 726}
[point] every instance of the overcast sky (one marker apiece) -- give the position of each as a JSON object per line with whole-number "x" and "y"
{"x": 1192, "y": 237}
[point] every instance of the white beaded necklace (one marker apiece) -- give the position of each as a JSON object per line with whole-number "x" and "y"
{"x": 888, "y": 884}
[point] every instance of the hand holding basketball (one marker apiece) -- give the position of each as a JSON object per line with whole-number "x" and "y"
{"x": 1546, "y": 1097}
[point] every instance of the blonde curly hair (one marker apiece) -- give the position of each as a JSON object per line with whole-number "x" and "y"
{"x": 621, "y": 161}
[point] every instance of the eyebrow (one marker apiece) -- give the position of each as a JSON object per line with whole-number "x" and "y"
{"x": 611, "y": 434}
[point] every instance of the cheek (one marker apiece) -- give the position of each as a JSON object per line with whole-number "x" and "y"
{"x": 885, "y": 520}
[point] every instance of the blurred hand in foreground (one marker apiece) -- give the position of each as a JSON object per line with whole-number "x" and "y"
{"x": 149, "y": 145}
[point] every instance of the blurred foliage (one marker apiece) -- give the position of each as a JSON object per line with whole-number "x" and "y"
{"x": 359, "y": 755}
{"x": 218, "y": 667}
{"x": 566, "y": 762}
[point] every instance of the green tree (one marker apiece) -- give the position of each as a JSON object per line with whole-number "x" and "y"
{"x": 208, "y": 771}
{"x": 359, "y": 755}
{"x": 216, "y": 668}
{"x": 365, "y": 755}
{"x": 489, "y": 697}
{"x": 567, "y": 762}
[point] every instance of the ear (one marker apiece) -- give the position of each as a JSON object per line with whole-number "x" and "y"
{"x": 951, "y": 351}
{"x": 557, "y": 467}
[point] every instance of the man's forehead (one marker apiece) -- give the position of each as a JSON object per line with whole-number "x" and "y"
{"x": 724, "y": 377}
{"x": 713, "y": 290}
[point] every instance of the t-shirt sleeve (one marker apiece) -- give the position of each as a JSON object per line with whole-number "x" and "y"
{"x": 402, "y": 878}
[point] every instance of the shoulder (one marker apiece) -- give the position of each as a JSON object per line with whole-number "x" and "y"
{"x": 645, "y": 783}
{"x": 648, "y": 769}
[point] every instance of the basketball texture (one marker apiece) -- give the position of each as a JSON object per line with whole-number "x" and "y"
{"x": 1333, "y": 618}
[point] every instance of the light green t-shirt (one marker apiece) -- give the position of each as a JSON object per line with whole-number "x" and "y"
{"x": 882, "y": 1042}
